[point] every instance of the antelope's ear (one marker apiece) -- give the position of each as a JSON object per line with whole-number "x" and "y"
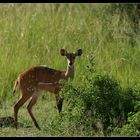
{"x": 63, "y": 52}
{"x": 79, "y": 52}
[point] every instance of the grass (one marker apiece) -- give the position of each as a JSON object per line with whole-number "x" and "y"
{"x": 32, "y": 34}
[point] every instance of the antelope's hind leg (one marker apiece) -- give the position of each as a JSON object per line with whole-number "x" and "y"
{"x": 20, "y": 102}
{"x": 32, "y": 102}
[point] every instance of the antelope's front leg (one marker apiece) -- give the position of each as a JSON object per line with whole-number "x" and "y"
{"x": 59, "y": 99}
{"x": 54, "y": 88}
{"x": 59, "y": 102}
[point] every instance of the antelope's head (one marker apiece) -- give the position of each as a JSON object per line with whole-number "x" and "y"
{"x": 71, "y": 56}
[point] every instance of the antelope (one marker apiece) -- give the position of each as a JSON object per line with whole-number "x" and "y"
{"x": 38, "y": 78}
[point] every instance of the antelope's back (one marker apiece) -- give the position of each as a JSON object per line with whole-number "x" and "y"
{"x": 47, "y": 75}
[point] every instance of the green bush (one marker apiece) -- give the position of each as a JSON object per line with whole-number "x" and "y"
{"x": 132, "y": 127}
{"x": 96, "y": 106}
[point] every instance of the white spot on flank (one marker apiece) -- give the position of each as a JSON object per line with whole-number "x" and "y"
{"x": 30, "y": 88}
{"x": 43, "y": 65}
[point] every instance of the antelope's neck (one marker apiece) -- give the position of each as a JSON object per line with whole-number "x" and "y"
{"x": 70, "y": 72}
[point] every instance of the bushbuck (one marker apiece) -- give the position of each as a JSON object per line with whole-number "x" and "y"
{"x": 39, "y": 78}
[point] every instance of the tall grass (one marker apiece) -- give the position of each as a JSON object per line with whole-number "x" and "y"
{"x": 32, "y": 34}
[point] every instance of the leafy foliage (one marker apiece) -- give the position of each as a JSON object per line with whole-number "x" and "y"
{"x": 100, "y": 107}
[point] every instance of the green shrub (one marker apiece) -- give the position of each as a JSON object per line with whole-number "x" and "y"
{"x": 96, "y": 106}
{"x": 132, "y": 127}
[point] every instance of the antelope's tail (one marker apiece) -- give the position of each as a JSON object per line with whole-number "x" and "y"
{"x": 16, "y": 85}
